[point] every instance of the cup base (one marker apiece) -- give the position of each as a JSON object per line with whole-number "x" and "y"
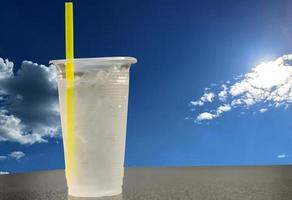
{"x": 92, "y": 192}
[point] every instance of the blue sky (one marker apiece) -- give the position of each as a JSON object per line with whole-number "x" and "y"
{"x": 182, "y": 48}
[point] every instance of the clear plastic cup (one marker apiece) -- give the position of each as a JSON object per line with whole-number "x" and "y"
{"x": 100, "y": 107}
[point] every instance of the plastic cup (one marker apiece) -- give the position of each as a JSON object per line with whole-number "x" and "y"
{"x": 101, "y": 88}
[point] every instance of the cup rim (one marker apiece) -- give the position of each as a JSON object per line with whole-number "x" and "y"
{"x": 98, "y": 60}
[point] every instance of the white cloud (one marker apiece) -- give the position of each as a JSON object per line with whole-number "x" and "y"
{"x": 224, "y": 108}
{"x": 208, "y": 97}
{"x": 12, "y": 130}
{"x": 17, "y": 155}
{"x": 2, "y": 173}
{"x": 270, "y": 81}
{"x": 5, "y": 68}
{"x": 14, "y": 155}
{"x": 223, "y": 93}
{"x": 3, "y": 158}
{"x": 197, "y": 103}
{"x": 263, "y": 110}
{"x": 208, "y": 116}
{"x": 205, "y": 116}
{"x": 236, "y": 102}
{"x": 268, "y": 85}
{"x": 28, "y": 103}
{"x": 282, "y": 156}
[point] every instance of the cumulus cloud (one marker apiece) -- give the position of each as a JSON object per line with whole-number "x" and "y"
{"x": 268, "y": 84}
{"x": 197, "y": 103}
{"x": 223, "y": 93}
{"x": 3, "y": 158}
{"x": 207, "y": 97}
{"x": 205, "y": 116}
{"x": 16, "y": 155}
{"x": 28, "y": 103}
{"x": 224, "y": 108}
{"x": 208, "y": 116}
{"x": 2, "y": 173}
{"x": 6, "y": 68}
{"x": 282, "y": 156}
{"x": 263, "y": 110}
{"x": 13, "y": 155}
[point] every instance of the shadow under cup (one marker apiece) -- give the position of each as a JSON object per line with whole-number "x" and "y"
{"x": 94, "y": 150}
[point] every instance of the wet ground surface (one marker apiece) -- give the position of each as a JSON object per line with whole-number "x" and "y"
{"x": 186, "y": 183}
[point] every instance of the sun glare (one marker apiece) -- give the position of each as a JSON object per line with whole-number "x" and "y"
{"x": 270, "y": 74}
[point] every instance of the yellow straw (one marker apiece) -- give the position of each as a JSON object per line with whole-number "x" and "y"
{"x": 69, "y": 143}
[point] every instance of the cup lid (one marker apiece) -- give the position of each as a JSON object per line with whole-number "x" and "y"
{"x": 96, "y": 61}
